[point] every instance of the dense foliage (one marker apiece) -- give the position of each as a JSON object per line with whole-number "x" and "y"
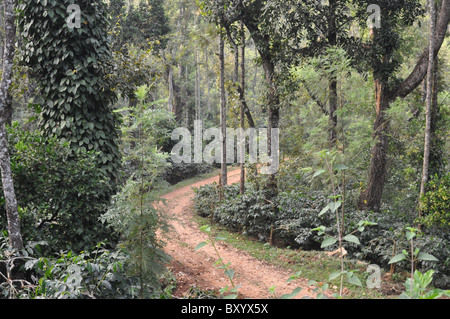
{"x": 70, "y": 65}
{"x": 61, "y": 195}
{"x": 436, "y": 204}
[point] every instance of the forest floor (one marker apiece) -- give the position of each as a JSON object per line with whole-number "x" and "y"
{"x": 197, "y": 268}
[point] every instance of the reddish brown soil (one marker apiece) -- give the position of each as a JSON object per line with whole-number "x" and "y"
{"x": 197, "y": 268}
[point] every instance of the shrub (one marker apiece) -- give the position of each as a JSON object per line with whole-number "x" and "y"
{"x": 91, "y": 274}
{"x": 298, "y": 214}
{"x": 248, "y": 213}
{"x": 176, "y": 173}
{"x": 435, "y": 204}
{"x": 253, "y": 215}
{"x": 205, "y": 199}
{"x": 61, "y": 194}
{"x": 135, "y": 214}
{"x": 379, "y": 243}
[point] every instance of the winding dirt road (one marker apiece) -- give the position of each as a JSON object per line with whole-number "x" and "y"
{"x": 196, "y": 268}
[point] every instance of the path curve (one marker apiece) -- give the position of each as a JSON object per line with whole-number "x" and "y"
{"x": 196, "y": 268}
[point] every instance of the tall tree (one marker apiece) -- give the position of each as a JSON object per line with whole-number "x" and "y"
{"x": 12, "y": 213}
{"x": 223, "y": 112}
{"x": 243, "y": 105}
{"x": 332, "y": 86}
{"x": 71, "y": 63}
{"x": 430, "y": 76}
{"x": 381, "y": 53}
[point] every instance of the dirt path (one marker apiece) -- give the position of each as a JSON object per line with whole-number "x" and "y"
{"x": 196, "y": 268}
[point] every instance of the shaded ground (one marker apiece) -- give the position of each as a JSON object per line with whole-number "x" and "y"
{"x": 196, "y": 268}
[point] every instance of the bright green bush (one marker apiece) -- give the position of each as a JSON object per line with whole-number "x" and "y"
{"x": 435, "y": 204}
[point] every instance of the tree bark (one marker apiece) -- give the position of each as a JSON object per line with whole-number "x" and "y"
{"x": 427, "y": 144}
{"x": 262, "y": 43}
{"x": 273, "y": 102}
{"x": 371, "y": 197}
{"x": 242, "y": 98}
{"x": 333, "y": 96}
{"x": 223, "y": 113}
{"x": 12, "y": 213}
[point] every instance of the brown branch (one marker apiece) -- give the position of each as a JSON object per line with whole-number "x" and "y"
{"x": 420, "y": 70}
{"x": 316, "y": 99}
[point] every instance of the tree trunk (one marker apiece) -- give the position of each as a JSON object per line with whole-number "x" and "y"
{"x": 333, "y": 101}
{"x": 371, "y": 197}
{"x": 223, "y": 113}
{"x": 437, "y": 157}
{"x": 242, "y": 97}
{"x": 12, "y": 213}
{"x": 426, "y": 155}
{"x": 273, "y": 102}
{"x": 333, "y": 96}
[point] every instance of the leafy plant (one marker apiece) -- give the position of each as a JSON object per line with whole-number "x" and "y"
{"x": 338, "y": 201}
{"x": 416, "y": 287}
{"x": 135, "y": 213}
{"x": 414, "y": 254}
{"x": 61, "y": 195}
{"x": 435, "y": 204}
{"x": 229, "y": 272}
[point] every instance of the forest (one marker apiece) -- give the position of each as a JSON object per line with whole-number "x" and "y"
{"x": 225, "y": 149}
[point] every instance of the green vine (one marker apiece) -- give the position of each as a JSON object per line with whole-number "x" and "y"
{"x": 71, "y": 65}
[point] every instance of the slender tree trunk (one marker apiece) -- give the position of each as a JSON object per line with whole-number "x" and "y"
{"x": 333, "y": 96}
{"x": 437, "y": 162}
{"x": 333, "y": 101}
{"x": 242, "y": 97}
{"x": 223, "y": 113}
{"x": 169, "y": 72}
{"x": 197, "y": 79}
{"x": 12, "y": 213}
{"x": 426, "y": 155}
{"x": 273, "y": 102}
{"x": 208, "y": 84}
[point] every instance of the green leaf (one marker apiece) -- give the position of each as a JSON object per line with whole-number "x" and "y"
{"x": 320, "y": 230}
{"x": 324, "y": 210}
{"x": 334, "y": 275}
{"x": 410, "y": 235}
{"x": 201, "y": 245}
{"x": 328, "y": 242}
{"x": 294, "y": 293}
{"x": 340, "y": 167}
{"x": 352, "y": 239}
{"x": 221, "y": 238}
{"x": 425, "y": 256}
{"x": 229, "y": 273}
{"x": 397, "y": 258}
{"x": 354, "y": 280}
{"x": 319, "y": 172}
{"x": 335, "y": 205}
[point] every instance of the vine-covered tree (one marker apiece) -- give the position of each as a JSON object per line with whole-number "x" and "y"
{"x": 71, "y": 64}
